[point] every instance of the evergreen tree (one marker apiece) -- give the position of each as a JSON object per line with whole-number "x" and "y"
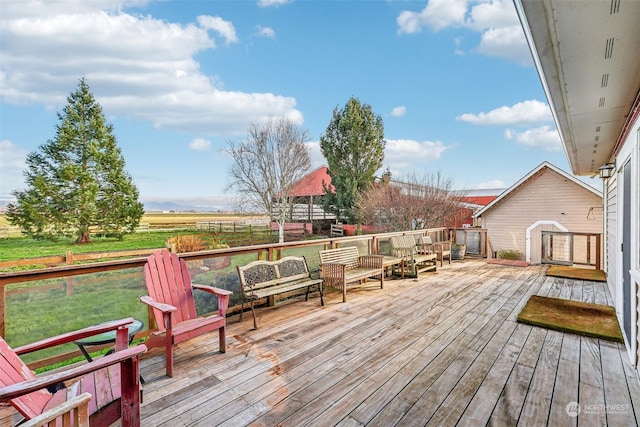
{"x": 77, "y": 180}
{"x": 353, "y": 146}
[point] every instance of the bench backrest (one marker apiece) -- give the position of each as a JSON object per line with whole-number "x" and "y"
{"x": 402, "y": 243}
{"x": 348, "y": 255}
{"x": 264, "y": 274}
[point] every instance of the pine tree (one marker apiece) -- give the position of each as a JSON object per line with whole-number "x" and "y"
{"x": 353, "y": 146}
{"x": 77, "y": 180}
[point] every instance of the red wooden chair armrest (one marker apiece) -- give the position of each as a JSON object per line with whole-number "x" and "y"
{"x": 211, "y": 289}
{"x": 25, "y": 387}
{"x": 73, "y": 336}
{"x": 165, "y": 308}
{"x": 222, "y": 294}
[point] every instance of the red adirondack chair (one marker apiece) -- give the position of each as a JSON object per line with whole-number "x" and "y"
{"x": 170, "y": 294}
{"x": 113, "y": 381}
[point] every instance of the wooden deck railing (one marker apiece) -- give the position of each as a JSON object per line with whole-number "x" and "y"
{"x": 96, "y": 273}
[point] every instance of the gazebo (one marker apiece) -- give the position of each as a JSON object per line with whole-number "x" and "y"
{"x": 308, "y": 193}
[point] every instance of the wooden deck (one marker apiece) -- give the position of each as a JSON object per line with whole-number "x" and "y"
{"x": 441, "y": 350}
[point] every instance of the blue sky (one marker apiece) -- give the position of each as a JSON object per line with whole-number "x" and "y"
{"x": 452, "y": 79}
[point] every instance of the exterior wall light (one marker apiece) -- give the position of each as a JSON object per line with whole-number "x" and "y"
{"x": 606, "y": 170}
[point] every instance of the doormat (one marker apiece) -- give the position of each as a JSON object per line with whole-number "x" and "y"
{"x": 509, "y": 262}
{"x": 591, "y": 320}
{"x": 577, "y": 273}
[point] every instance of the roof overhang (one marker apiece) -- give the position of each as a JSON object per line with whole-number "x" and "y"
{"x": 587, "y": 53}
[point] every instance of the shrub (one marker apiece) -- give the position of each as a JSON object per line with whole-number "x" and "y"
{"x": 186, "y": 243}
{"x": 510, "y": 254}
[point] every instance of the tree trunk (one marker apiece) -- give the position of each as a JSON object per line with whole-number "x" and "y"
{"x": 84, "y": 237}
{"x": 280, "y": 233}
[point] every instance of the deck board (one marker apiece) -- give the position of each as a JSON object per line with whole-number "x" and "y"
{"x": 443, "y": 349}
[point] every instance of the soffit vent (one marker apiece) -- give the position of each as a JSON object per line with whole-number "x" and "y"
{"x": 615, "y": 7}
{"x": 608, "y": 50}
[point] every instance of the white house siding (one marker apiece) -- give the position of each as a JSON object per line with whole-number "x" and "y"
{"x": 611, "y": 197}
{"x": 629, "y": 152}
{"x": 546, "y": 196}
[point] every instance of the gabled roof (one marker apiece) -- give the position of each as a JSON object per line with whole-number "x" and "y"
{"x": 527, "y": 177}
{"x": 479, "y": 200}
{"x": 311, "y": 185}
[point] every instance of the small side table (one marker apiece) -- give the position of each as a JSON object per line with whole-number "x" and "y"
{"x": 106, "y": 338}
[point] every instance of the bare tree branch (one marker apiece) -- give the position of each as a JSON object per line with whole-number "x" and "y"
{"x": 266, "y": 165}
{"x": 418, "y": 202}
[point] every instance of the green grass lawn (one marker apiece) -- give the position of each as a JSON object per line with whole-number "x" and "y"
{"x": 22, "y": 247}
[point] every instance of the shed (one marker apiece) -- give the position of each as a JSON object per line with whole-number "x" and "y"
{"x": 546, "y": 199}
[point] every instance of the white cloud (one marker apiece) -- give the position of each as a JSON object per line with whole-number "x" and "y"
{"x": 265, "y": 31}
{"x": 407, "y": 154}
{"x": 200, "y": 144}
{"x": 507, "y": 42}
{"x": 542, "y": 137}
{"x": 136, "y": 66}
{"x": 495, "y": 20}
{"x": 400, "y": 155}
{"x": 317, "y": 159}
{"x": 526, "y": 112}
{"x": 224, "y": 28}
{"x": 437, "y": 14}
{"x": 12, "y": 165}
{"x": 491, "y": 14}
{"x": 494, "y": 183}
{"x": 272, "y": 3}
{"x": 399, "y": 111}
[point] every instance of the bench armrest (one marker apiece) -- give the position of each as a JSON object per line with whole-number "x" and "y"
{"x": 371, "y": 261}
{"x": 15, "y": 390}
{"x": 70, "y": 337}
{"x": 443, "y": 245}
{"x": 332, "y": 271}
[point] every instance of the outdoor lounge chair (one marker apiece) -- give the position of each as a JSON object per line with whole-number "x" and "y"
{"x": 171, "y": 296}
{"x": 113, "y": 381}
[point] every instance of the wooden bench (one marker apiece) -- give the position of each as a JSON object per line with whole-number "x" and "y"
{"x": 261, "y": 279}
{"x": 441, "y": 249}
{"x": 341, "y": 266}
{"x": 415, "y": 261}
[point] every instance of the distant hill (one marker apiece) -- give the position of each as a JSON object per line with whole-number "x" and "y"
{"x": 152, "y": 207}
{"x": 170, "y": 206}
